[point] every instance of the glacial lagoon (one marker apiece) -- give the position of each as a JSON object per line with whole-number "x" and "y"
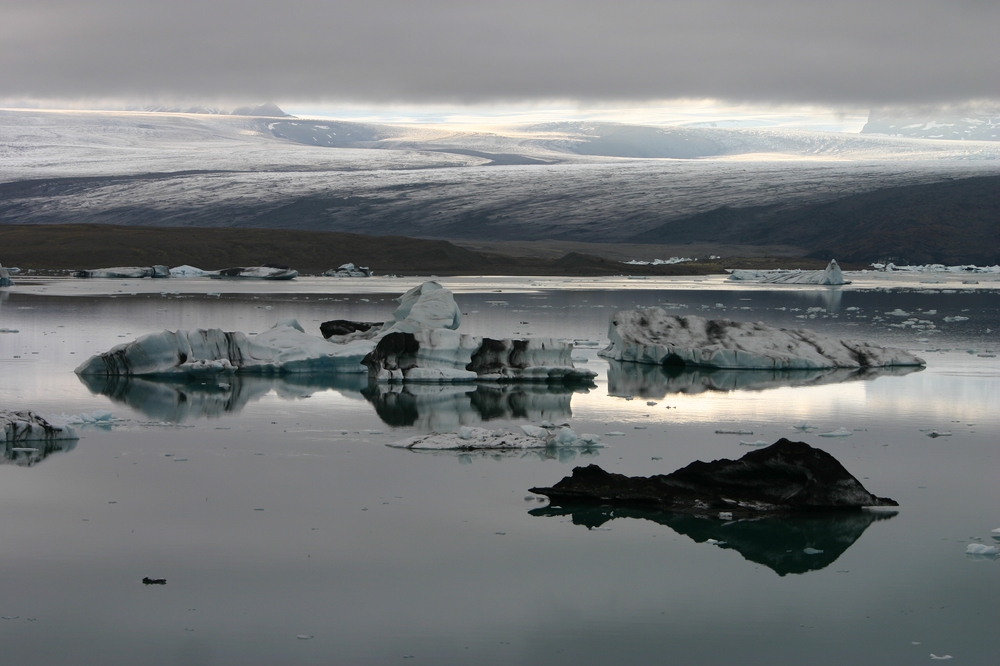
{"x": 289, "y": 533}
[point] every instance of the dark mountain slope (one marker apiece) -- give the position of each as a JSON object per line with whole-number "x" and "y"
{"x": 952, "y": 222}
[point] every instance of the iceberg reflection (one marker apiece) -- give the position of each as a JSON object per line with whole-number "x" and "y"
{"x": 787, "y": 544}
{"x": 428, "y": 407}
{"x": 30, "y": 453}
{"x": 657, "y": 381}
{"x": 177, "y": 399}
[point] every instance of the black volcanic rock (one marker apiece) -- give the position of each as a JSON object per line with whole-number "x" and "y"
{"x": 784, "y": 477}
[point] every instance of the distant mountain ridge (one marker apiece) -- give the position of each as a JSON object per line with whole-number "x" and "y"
{"x": 266, "y": 110}
{"x": 951, "y": 222}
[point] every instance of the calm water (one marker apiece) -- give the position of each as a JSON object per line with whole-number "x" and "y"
{"x": 274, "y": 510}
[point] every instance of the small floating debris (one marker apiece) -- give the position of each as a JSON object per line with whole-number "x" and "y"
{"x": 304, "y": 637}
{"x": 154, "y": 581}
{"x": 936, "y": 433}
{"x": 839, "y": 432}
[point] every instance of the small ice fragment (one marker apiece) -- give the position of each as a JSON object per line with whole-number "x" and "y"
{"x": 656, "y": 458}
{"x": 734, "y": 432}
{"x": 935, "y": 433}
{"x": 726, "y": 515}
{"x": 956, "y": 318}
{"x": 803, "y": 426}
{"x": 981, "y": 549}
{"x": 996, "y": 531}
{"x": 465, "y": 432}
{"x": 944, "y": 656}
{"x": 530, "y": 431}
{"x": 180, "y": 459}
{"x": 639, "y": 427}
{"x": 811, "y": 551}
{"x": 651, "y": 403}
{"x": 304, "y": 637}
{"x": 758, "y": 443}
{"x": 898, "y": 313}
{"x": 614, "y": 433}
{"x": 839, "y": 432}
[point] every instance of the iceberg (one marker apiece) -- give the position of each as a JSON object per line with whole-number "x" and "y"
{"x": 25, "y": 426}
{"x": 265, "y": 272}
{"x": 349, "y": 270}
{"x": 832, "y": 275}
{"x": 418, "y": 344}
{"x": 188, "y": 271}
{"x": 654, "y": 337}
{"x": 981, "y": 549}
{"x": 125, "y": 272}
{"x": 5, "y": 280}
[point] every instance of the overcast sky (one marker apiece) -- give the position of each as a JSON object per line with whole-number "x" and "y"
{"x": 847, "y": 52}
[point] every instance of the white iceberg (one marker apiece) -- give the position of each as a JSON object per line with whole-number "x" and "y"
{"x": 349, "y": 270}
{"x": 25, "y": 426}
{"x": 654, "y": 337}
{"x": 5, "y": 280}
{"x": 265, "y": 272}
{"x": 419, "y": 344}
{"x": 832, "y": 275}
{"x": 474, "y": 439}
{"x": 187, "y": 271}
{"x": 123, "y": 272}
{"x": 981, "y": 549}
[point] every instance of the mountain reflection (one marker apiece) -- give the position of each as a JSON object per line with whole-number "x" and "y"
{"x": 657, "y": 381}
{"x": 33, "y": 452}
{"x": 787, "y": 544}
{"x": 429, "y": 407}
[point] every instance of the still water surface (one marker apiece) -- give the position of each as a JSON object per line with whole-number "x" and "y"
{"x": 274, "y": 510}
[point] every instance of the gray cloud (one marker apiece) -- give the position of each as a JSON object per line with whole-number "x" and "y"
{"x": 848, "y": 52}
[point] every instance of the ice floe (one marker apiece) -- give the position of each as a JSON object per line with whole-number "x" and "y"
{"x": 936, "y": 268}
{"x": 100, "y": 417}
{"x": 839, "y": 432}
{"x": 659, "y": 262}
{"x": 349, "y": 270}
{"x": 187, "y": 271}
{"x": 125, "y": 272}
{"x": 831, "y": 275}
{"x": 652, "y": 336}
{"x": 981, "y": 549}
{"x": 472, "y": 439}
{"x": 265, "y": 272}
{"x": 27, "y": 426}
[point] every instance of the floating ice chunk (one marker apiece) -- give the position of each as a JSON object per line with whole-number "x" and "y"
{"x": 758, "y": 443}
{"x": 898, "y": 313}
{"x": 533, "y": 431}
{"x": 734, "y": 432}
{"x": 981, "y": 549}
{"x": 8, "y": 330}
{"x": 614, "y": 433}
{"x": 937, "y": 433}
{"x": 187, "y": 271}
{"x": 804, "y": 427}
{"x": 26, "y": 426}
{"x": 839, "y": 432}
{"x": 125, "y": 272}
{"x": 830, "y": 276}
{"x": 944, "y": 656}
{"x": 726, "y": 515}
{"x": 956, "y": 318}
{"x": 654, "y": 337}
{"x": 651, "y": 403}
{"x": 811, "y": 551}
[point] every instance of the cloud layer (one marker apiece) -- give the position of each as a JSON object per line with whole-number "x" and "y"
{"x": 390, "y": 51}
